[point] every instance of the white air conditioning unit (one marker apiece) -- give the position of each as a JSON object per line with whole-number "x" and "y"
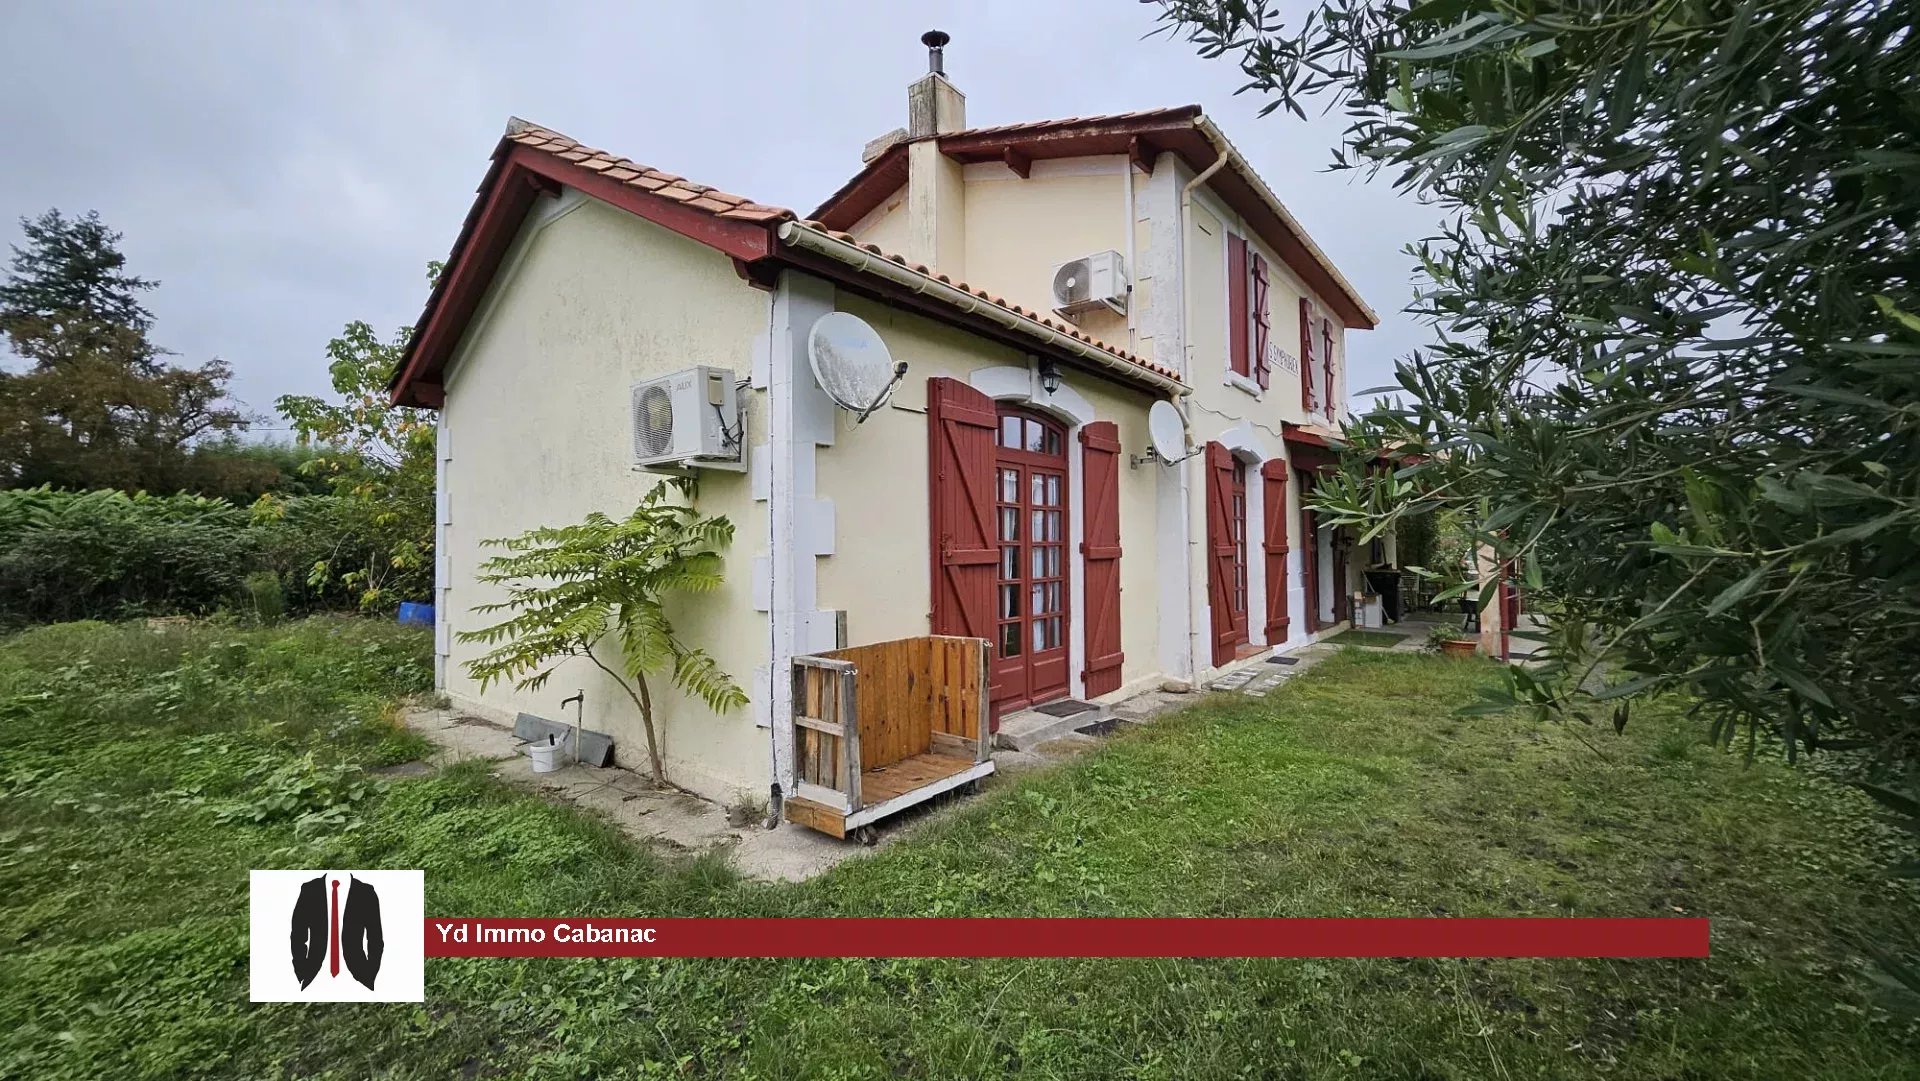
{"x": 1097, "y": 281}
{"x": 688, "y": 419}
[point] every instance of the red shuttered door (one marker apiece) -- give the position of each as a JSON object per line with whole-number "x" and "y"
{"x": 960, "y": 426}
{"x": 1226, "y": 569}
{"x": 1100, "y": 553}
{"x": 1273, "y": 478}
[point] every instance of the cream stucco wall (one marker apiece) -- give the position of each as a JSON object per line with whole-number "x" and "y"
{"x": 1226, "y": 408}
{"x": 538, "y": 429}
{"x": 1019, "y": 230}
{"x": 877, "y": 474}
{"x": 1208, "y": 324}
{"x": 886, "y": 224}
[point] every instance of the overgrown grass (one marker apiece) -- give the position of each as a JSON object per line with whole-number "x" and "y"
{"x": 143, "y": 774}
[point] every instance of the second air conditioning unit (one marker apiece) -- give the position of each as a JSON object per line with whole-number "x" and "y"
{"x": 1096, "y": 281}
{"x": 688, "y": 419}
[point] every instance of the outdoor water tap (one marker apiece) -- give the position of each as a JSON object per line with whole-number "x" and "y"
{"x": 579, "y": 701}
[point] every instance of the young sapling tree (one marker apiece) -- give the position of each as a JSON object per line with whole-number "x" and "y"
{"x": 576, "y": 588}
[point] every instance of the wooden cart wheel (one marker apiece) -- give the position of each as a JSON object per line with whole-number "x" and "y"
{"x": 867, "y": 835}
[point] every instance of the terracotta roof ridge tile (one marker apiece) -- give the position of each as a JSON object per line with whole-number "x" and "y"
{"x": 688, "y": 193}
{"x": 1169, "y": 111}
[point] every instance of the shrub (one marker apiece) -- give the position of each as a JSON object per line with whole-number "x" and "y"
{"x": 265, "y": 597}
{"x": 108, "y": 555}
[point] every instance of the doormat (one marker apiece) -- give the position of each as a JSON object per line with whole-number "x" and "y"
{"x": 1099, "y": 728}
{"x": 1283, "y": 660}
{"x": 1066, "y": 707}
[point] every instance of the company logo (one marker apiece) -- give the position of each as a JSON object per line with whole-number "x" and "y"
{"x": 336, "y": 936}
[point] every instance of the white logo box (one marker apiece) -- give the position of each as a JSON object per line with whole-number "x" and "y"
{"x": 291, "y": 922}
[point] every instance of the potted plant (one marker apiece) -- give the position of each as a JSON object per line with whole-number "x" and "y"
{"x": 1454, "y": 642}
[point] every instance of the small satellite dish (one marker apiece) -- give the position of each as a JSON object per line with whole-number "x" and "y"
{"x": 1167, "y": 431}
{"x": 851, "y": 363}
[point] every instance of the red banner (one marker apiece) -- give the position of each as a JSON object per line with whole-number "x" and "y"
{"x": 1042, "y": 937}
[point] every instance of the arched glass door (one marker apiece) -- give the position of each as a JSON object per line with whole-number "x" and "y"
{"x": 1030, "y": 495}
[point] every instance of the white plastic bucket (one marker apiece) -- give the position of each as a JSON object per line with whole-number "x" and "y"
{"x": 547, "y": 756}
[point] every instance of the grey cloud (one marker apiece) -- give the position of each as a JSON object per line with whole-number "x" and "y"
{"x": 286, "y": 168}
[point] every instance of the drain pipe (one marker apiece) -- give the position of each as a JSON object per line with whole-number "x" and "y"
{"x": 1131, "y": 220}
{"x": 1186, "y": 366}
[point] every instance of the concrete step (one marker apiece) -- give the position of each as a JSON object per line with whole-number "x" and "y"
{"x": 1029, "y": 728}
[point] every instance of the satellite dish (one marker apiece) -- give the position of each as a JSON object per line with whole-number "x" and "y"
{"x": 1167, "y": 431}
{"x": 851, "y": 363}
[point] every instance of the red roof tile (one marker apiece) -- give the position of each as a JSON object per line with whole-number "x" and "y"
{"x": 719, "y": 203}
{"x": 734, "y": 207}
{"x": 1175, "y": 112}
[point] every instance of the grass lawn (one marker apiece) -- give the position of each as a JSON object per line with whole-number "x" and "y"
{"x": 141, "y": 775}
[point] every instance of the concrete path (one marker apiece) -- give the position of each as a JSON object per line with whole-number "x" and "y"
{"x": 686, "y": 823}
{"x": 1260, "y": 678}
{"x": 665, "y": 816}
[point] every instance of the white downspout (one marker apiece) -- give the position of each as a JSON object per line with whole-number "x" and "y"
{"x": 1126, "y": 171}
{"x": 1186, "y": 372}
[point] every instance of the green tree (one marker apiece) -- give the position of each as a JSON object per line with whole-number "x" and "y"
{"x": 72, "y": 278}
{"x": 97, "y": 406}
{"x": 576, "y": 588}
{"x": 1677, "y": 355}
{"x": 379, "y": 458}
{"x": 94, "y": 412}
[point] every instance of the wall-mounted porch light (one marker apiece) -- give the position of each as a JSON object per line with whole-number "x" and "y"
{"x": 1049, "y": 376}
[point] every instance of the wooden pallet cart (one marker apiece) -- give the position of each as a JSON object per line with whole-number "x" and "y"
{"x": 882, "y": 727}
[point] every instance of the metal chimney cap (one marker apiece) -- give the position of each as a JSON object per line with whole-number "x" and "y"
{"x": 934, "y": 40}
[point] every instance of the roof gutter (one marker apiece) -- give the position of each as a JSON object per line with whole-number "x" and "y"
{"x": 799, "y": 236}
{"x": 1226, "y": 151}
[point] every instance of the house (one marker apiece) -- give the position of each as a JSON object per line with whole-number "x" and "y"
{"x": 1006, "y": 491}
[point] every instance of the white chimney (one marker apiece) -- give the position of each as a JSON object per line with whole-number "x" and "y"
{"x": 934, "y": 105}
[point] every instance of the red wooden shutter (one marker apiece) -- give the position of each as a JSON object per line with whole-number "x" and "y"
{"x": 1220, "y": 570}
{"x": 960, "y": 425}
{"x": 1306, "y": 356}
{"x": 1237, "y": 304}
{"x": 1326, "y": 357}
{"x": 1100, "y": 553}
{"x": 1273, "y": 479}
{"x": 1262, "y": 321}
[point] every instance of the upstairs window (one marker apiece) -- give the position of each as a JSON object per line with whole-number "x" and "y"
{"x": 1249, "y": 315}
{"x": 1239, "y": 361}
{"x": 1326, "y": 360}
{"x": 1310, "y": 401}
{"x": 1262, "y": 322}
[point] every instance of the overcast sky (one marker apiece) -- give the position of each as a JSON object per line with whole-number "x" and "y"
{"x": 286, "y": 168}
